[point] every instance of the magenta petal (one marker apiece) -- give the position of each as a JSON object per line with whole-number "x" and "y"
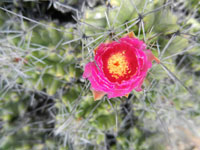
{"x": 88, "y": 70}
{"x": 151, "y": 57}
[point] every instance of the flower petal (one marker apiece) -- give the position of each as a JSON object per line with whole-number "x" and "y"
{"x": 130, "y": 35}
{"x": 88, "y": 70}
{"x": 97, "y": 94}
{"x": 151, "y": 57}
{"x": 127, "y": 95}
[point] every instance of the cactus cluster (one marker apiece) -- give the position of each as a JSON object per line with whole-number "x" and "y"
{"x": 46, "y": 104}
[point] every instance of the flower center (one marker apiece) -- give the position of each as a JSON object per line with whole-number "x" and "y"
{"x": 118, "y": 65}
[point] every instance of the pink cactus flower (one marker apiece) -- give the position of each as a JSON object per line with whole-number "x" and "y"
{"x": 119, "y": 67}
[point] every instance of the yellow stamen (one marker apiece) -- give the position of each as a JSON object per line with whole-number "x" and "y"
{"x": 118, "y": 65}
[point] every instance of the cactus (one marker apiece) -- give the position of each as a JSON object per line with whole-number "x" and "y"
{"x": 46, "y": 104}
